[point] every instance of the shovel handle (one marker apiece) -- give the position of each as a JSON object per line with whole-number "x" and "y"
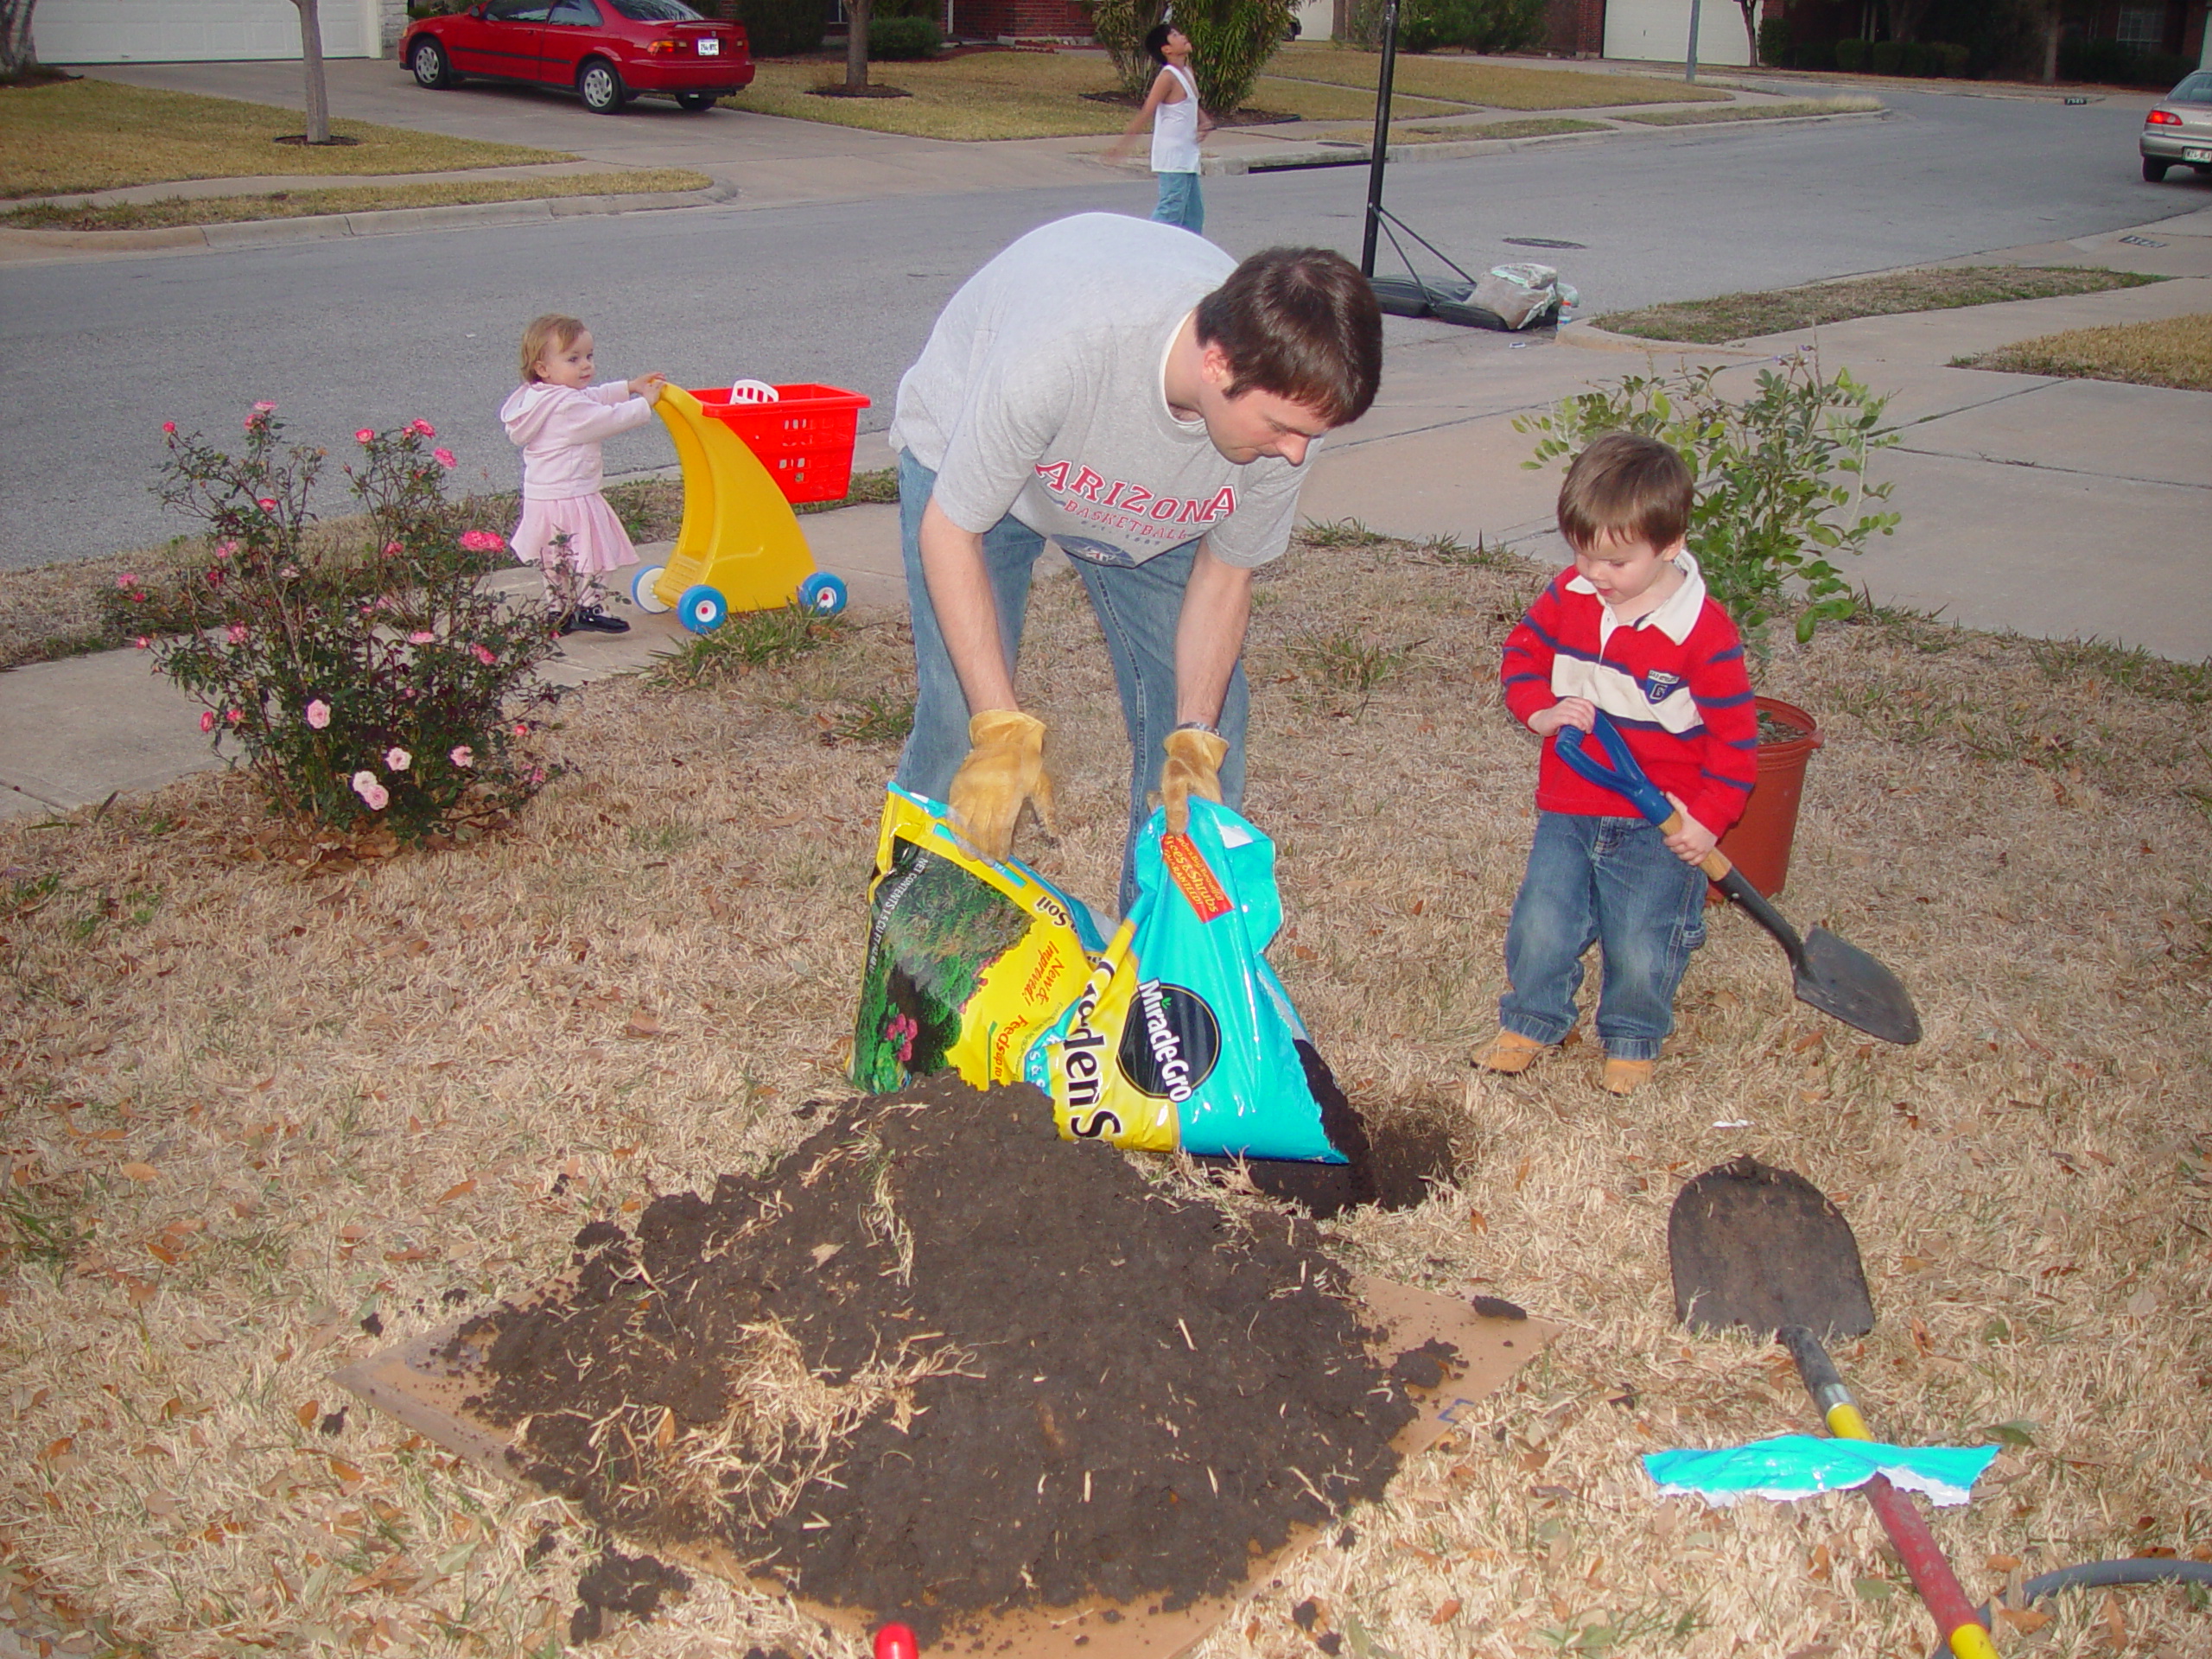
{"x": 1916, "y": 1546}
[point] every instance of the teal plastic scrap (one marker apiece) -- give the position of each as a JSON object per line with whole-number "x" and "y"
{"x": 1797, "y": 1466}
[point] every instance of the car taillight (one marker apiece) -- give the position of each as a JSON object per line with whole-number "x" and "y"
{"x": 2162, "y": 118}
{"x": 660, "y": 49}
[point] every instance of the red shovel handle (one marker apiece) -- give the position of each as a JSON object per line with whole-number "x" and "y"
{"x": 1931, "y": 1573}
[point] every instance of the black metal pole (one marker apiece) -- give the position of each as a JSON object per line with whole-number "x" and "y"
{"x": 1382, "y": 136}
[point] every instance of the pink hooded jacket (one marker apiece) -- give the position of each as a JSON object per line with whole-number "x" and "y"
{"x": 559, "y": 430}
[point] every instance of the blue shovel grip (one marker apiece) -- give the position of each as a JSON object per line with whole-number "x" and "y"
{"x": 1623, "y": 777}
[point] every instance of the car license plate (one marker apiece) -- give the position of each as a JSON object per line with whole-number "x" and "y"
{"x": 710, "y": 47}
{"x": 2199, "y": 157}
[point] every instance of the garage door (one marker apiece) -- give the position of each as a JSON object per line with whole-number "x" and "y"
{"x": 1660, "y": 30}
{"x": 188, "y": 31}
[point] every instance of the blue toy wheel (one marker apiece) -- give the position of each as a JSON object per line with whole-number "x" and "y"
{"x": 703, "y": 609}
{"x": 822, "y": 593}
{"x": 641, "y": 589}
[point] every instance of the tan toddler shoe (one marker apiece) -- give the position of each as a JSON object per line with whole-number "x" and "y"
{"x": 1625, "y": 1077}
{"x": 1508, "y": 1052}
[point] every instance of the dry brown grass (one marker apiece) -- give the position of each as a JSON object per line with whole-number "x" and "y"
{"x": 2173, "y": 351}
{"x": 101, "y": 135}
{"x": 1788, "y": 109}
{"x": 1457, "y": 78}
{"x": 350, "y": 198}
{"x": 250, "y": 1104}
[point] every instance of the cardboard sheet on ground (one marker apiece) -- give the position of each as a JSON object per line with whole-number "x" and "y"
{"x": 411, "y": 1383}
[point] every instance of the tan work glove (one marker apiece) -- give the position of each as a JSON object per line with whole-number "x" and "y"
{"x": 1192, "y": 767}
{"x": 1005, "y": 768}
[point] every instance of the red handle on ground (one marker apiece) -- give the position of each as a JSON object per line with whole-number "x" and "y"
{"x": 1925, "y": 1560}
{"x": 897, "y": 1642}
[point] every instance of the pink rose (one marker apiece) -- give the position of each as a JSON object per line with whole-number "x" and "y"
{"x": 444, "y": 458}
{"x": 170, "y": 426}
{"x": 237, "y": 634}
{"x": 264, "y": 408}
{"x": 482, "y": 541}
{"x": 422, "y": 429}
{"x": 236, "y": 716}
{"x": 398, "y": 760}
{"x": 521, "y": 730}
{"x": 207, "y": 720}
{"x": 366, "y": 434}
{"x": 224, "y": 549}
{"x": 484, "y": 655}
{"x": 392, "y": 549}
{"x": 267, "y": 503}
{"x": 319, "y": 714}
{"x": 463, "y": 756}
{"x": 143, "y": 642}
{"x": 366, "y": 787}
{"x": 126, "y": 581}
{"x": 421, "y": 637}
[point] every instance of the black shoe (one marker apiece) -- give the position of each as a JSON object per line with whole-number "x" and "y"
{"x": 591, "y": 619}
{"x": 565, "y": 624}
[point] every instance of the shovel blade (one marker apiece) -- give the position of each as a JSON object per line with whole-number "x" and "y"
{"x": 1842, "y": 980}
{"x": 1762, "y": 1247}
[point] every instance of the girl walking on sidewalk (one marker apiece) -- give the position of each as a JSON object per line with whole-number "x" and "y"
{"x": 558, "y": 419}
{"x": 1177, "y": 123}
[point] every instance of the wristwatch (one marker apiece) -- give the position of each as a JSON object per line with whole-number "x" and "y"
{"x": 1206, "y": 725}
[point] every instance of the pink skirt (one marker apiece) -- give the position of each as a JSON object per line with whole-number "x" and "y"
{"x": 597, "y": 541}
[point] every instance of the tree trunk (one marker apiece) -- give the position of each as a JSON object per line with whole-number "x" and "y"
{"x": 16, "y": 53}
{"x": 311, "y": 56}
{"x": 1906, "y": 17}
{"x": 1750, "y": 11}
{"x": 2051, "y": 21}
{"x": 857, "y": 14}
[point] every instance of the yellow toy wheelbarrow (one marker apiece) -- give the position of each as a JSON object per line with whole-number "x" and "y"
{"x": 749, "y": 451}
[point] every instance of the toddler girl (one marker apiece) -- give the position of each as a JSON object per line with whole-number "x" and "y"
{"x": 558, "y": 417}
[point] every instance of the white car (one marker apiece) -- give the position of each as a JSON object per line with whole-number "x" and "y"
{"x": 2178, "y": 129}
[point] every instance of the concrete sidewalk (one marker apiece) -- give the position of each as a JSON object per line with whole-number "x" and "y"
{"x": 2055, "y": 508}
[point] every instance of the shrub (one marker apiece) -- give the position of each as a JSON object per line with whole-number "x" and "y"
{"x": 1954, "y": 58}
{"x": 1428, "y": 25}
{"x": 903, "y": 39}
{"x": 779, "y": 28}
{"x": 1850, "y": 54}
{"x": 1813, "y": 55}
{"x": 1230, "y": 42}
{"x": 1775, "y": 41}
{"x": 1120, "y": 26}
{"x": 1782, "y": 479}
{"x": 2111, "y": 64}
{"x": 370, "y": 685}
{"x": 1885, "y": 57}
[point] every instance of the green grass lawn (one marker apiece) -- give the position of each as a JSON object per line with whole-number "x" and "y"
{"x": 1482, "y": 81}
{"x": 173, "y": 211}
{"x": 1747, "y": 316}
{"x": 100, "y": 135}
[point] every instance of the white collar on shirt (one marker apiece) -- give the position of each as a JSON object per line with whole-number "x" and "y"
{"x": 1674, "y": 618}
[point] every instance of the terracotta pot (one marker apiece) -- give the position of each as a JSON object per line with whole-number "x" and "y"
{"x": 1758, "y": 845}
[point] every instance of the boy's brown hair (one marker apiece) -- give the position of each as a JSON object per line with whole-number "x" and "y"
{"x": 550, "y": 332}
{"x": 1301, "y": 323}
{"x": 1636, "y": 487}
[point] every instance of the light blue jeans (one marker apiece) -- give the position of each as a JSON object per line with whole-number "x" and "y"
{"x": 1180, "y": 203}
{"x": 1610, "y": 882}
{"x": 1137, "y": 606}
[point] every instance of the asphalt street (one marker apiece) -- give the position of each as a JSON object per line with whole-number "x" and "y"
{"x": 374, "y": 331}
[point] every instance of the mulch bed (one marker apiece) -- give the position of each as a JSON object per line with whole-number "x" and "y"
{"x": 937, "y": 1363}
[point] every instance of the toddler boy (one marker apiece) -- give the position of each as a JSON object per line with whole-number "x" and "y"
{"x": 1631, "y": 630}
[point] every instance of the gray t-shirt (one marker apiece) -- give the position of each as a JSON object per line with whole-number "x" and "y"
{"x": 1040, "y": 394}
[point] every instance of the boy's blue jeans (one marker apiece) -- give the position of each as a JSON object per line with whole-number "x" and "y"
{"x": 1610, "y": 882}
{"x": 1137, "y": 606}
{"x": 1180, "y": 203}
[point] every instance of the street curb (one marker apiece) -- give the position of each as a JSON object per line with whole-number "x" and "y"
{"x": 1590, "y": 337}
{"x": 1356, "y": 155}
{"x": 318, "y": 227}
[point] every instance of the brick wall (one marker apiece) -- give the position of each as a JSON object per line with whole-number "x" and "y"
{"x": 1021, "y": 20}
{"x": 1574, "y": 29}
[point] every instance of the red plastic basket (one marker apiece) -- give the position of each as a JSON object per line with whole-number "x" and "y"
{"x": 804, "y": 439}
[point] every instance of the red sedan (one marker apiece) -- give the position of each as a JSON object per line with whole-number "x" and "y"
{"x": 609, "y": 50}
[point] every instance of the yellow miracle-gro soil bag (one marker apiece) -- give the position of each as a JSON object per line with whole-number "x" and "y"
{"x": 969, "y": 962}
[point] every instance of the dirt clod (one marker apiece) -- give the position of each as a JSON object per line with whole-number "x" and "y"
{"x": 625, "y": 1586}
{"x": 938, "y": 1362}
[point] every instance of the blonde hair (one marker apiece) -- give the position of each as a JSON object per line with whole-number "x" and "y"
{"x": 550, "y": 332}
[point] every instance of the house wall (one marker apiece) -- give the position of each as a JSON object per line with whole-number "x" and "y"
{"x": 189, "y": 31}
{"x": 1659, "y": 31}
{"x": 1021, "y": 20}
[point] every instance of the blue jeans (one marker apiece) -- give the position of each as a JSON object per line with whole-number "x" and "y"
{"x": 1610, "y": 882}
{"x": 1137, "y": 606}
{"x": 1180, "y": 203}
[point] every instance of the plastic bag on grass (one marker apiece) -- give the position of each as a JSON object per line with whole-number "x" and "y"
{"x": 969, "y": 962}
{"x": 1183, "y": 1037}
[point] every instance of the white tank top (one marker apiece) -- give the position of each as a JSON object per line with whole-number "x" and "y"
{"x": 1175, "y": 129}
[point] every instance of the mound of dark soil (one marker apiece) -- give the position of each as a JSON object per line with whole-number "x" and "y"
{"x": 1014, "y": 1370}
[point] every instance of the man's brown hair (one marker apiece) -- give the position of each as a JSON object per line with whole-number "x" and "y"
{"x": 1301, "y": 323}
{"x": 1636, "y": 487}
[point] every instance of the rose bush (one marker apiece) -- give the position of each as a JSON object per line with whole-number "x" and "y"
{"x": 362, "y": 684}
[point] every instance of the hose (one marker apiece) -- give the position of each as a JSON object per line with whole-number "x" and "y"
{"x": 2092, "y": 1575}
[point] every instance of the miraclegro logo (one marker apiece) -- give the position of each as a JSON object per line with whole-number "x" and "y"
{"x": 1170, "y": 1043}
